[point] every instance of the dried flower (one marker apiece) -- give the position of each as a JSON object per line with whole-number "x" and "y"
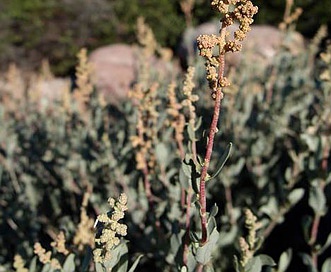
{"x": 248, "y": 245}
{"x": 59, "y": 243}
{"x": 84, "y": 234}
{"x": 84, "y": 81}
{"x": 106, "y": 239}
{"x": 19, "y": 264}
{"x": 243, "y": 12}
{"x": 45, "y": 257}
{"x": 177, "y": 118}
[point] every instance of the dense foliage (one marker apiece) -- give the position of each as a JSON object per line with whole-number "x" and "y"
{"x": 268, "y": 188}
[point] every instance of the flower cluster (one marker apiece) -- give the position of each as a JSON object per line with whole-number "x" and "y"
{"x": 60, "y": 244}
{"x": 190, "y": 98}
{"x": 248, "y": 245}
{"x": 177, "y": 121}
{"x": 233, "y": 10}
{"x": 84, "y": 234}
{"x": 106, "y": 238}
{"x": 290, "y": 19}
{"x": 146, "y": 127}
{"x": 45, "y": 257}
{"x": 19, "y": 264}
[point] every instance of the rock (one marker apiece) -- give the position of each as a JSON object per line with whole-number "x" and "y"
{"x": 52, "y": 89}
{"x": 115, "y": 70}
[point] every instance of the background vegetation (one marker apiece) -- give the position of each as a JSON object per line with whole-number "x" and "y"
{"x": 31, "y": 30}
{"x": 61, "y": 160}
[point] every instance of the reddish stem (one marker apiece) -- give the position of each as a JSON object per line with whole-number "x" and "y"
{"x": 199, "y": 268}
{"x": 147, "y": 186}
{"x": 210, "y": 144}
{"x": 317, "y": 217}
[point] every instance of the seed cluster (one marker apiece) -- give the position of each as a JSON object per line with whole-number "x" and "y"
{"x": 107, "y": 239}
{"x": 233, "y": 10}
{"x": 248, "y": 245}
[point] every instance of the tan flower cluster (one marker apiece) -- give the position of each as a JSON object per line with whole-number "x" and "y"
{"x": 19, "y": 264}
{"x": 243, "y": 12}
{"x": 60, "y": 244}
{"x": 146, "y": 37}
{"x": 84, "y": 81}
{"x": 248, "y": 245}
{"x": 106, "y": 240}
{"x": 177, "y": 121}
{"x": 84, "y": 234}
{"x": 146, "y": 127}
{"x": 190, "y": 97}
{"x": 45, "y": 257}
{"x": 290, "y": 18}
{"x": 148, "y": 46}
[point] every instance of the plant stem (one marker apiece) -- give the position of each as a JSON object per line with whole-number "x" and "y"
{"x": 199, "y": 268}
{"x": 317, "y": 217}
{"x": 210, "y": 144}
{"x": 187, "y": 226}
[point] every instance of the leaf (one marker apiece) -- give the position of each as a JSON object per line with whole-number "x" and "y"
{"x": 253, "y": 265}
{"x": 204, "y": 253}
{"x": 311, "y": 141}
{"x": 198, "y": 123}
{"x": 33, "y": 265}
{"x": 214, "y": 210}
{"x": 307, "y": 260}
{"x": 228, "y": 238}
{"x": 187, "y": 168}
{"x": 191, "y": 132}
{"x": 317, "y": 199}
{"x": 295, "y": 196}
{"x": 326, "y": 267}
{"x": 236, "y": 263}
{"x": 306, "y": 225}
{"x": 162, "y": 154}
{"x": 183, "y": 178}
{"x": 266, "y": 260}
{"x": 235, "y": 169}
{"x": 326, "y": 245}
{"x": 87, "y": 259}
{"x": 122, "y": 263}
{"x": 222, "y": 160}
{"x": 135, "y": 264}
{"x": 183, "y": 269}
{"x": 284, "y": 260}
{"x": 46, "y": 268}
{"x": 69, "y": 264}
{"x": 99, "y": 268}
{"x": 119, "y": 259}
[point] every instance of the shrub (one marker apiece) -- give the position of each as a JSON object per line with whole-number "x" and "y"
{"x": 61, "y": 160}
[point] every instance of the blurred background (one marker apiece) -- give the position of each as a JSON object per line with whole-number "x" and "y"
{"x": 32, "y": 30}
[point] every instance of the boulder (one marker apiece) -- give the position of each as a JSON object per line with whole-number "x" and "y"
{"x": 115, "y": 70}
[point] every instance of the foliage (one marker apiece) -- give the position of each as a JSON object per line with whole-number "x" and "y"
{"x": 61, "y": 160}
{"x": 33, "y": 30}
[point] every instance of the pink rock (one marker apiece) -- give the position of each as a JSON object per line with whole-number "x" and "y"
{"x": 115, "y": 69}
